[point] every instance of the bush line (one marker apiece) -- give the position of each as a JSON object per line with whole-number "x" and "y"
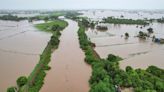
{"x": 36, "y": 79}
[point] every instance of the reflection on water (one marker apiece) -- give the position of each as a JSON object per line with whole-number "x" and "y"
{"x": 69, "y": 72}
{"x": 20, "y": 46}
{"x": 137, "y": 53}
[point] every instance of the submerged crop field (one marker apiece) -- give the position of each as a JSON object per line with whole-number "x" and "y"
{"x": 82, "y": 46}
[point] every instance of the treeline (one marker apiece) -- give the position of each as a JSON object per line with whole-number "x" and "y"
{"x": 124, "y": 21}
{"x": 100, "y": 81}
{"x": 161, "y": 20}
{"x": 35, "y": 80}
{"x": 108, "y": 77}
{"x": 45, "y": 17}
{"x": 12, "y": 17}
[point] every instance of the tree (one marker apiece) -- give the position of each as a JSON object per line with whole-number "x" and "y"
{"x": 11, "y": 89}
{"x": 21, "y": 81}
{"x": 150, "y": 30}
{"x": 129, "y": 68}
{"x": 102, "y": 87}
{"x": 126, "y": 35}
{"x": 112, "y": 57}
{"x": 46, "y": 19}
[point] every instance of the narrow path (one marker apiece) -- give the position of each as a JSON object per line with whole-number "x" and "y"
{"x": 69, "y": 72}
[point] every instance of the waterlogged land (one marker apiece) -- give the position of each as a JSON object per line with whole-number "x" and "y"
{"x": 69, "y": 72}
{"x": 18, "y": 53}
{"x": 35, "y": 80}
{"x": 107, "y": 76}
{"x": 108, "y": 51}
{"x": 136, "y": 52}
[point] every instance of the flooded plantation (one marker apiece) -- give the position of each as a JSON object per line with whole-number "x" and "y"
{"x": 136, "y": 52}
{"x": 82, "y": 51}
{"x": 20, "y": 47}
{"x": 69, "y": 72}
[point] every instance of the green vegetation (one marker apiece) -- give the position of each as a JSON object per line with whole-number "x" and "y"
{"x": 142, "y": 35}
{"x": 12, "y": 89}
{"x": 126, "y": 35}
{"x": 55, "y": 25}
{"x": 161, "y": 20}
{"x": 124, "y": 21}
{"x": 11, "y": 17}
{"x": 36, "y": 79}
{"x": 45, "y": 18}
{"x": 100, "y": 81}
{"x": 21, "y": 81}
{"x": 150, "y": 30}
{"x": 156, "y": 71}
{"x": 108, "y": 77}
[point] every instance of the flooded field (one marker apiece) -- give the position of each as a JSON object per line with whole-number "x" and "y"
{"x": 135, "y": 52}
{"x": 134, "y": 14}
{"x": 20, "y": 47}
{"x": 69, "y": 72}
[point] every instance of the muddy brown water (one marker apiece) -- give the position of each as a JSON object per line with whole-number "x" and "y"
{"x": 20, "y": 46}
{"x": 69, "y": 72}
{"x": 135, "y": 52}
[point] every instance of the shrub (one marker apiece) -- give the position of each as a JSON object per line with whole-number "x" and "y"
{"x": 21, "y": 81}
{"x": 11, "y": 89}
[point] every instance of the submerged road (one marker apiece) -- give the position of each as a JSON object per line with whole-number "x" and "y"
{"x": 69, "y": 72}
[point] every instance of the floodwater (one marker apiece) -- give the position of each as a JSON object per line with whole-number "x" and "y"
{"x": 134, "y": 14}
{"x": 20, "y": 47}
{"x": 69, "y": 72}
{"x": 135, "y": 52}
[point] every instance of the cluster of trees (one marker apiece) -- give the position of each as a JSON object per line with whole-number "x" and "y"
{"x": 35, "y": 80}
{"x": 72, "y": 15}
{"x": 45, "y": 18}
{"x": 124, "y": 21}
{"x": 141, "y": 80}
{"x": 86, "y": 23}
{"x": 12, "y": 17}
{"x": 108, "y": 77}
{"x": 100, "y": 81}
{"x": 142, "y": 35}
{"x": 161, "y": 20}
{"x": 21, "y": 81}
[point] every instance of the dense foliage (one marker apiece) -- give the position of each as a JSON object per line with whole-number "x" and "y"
{"x": 100, "y": 81}
{"x": 108, "y": 77}
{"x": 161, "y": 20}
{"x": 21, "y": 81}
{"x": 11, "y": 89}
{"x": 124, "y": 21}
{"x": 11, "y": 17}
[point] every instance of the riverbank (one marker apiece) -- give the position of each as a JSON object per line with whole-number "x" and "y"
{"x": 108, "y": 77}
{"x": 36, "y": 78}
{"x": 69, "y": 72}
